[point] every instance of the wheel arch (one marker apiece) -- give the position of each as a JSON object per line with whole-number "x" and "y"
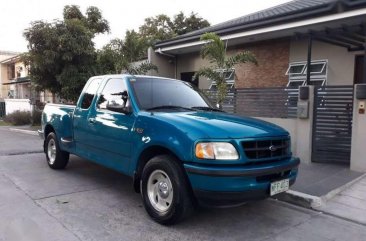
{"x": 47, "y": 130}
{"x": 145, "y": 156}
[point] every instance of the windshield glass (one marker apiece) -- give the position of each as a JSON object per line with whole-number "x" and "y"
{"x": 155, "y": 93}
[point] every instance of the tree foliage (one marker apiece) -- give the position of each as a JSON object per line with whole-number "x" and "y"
{"x": 184, "y": 24}
{"x": 214, "y": 50}
{"x": 61, "y": 54}
{"x": 121, "y": 56}
{"x": 157, "y": 28}
{"x": 140, "y": 68}
{"x": 162, "y": 27}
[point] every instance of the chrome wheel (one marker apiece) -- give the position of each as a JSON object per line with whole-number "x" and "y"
{"x": 51, "y": 151}
{"x": 160, "y": 190}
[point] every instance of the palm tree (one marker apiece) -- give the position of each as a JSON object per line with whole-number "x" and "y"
{"x": 214, "y": 50}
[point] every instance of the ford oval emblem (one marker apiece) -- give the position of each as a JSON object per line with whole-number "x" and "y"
{"x": 273, "y": 148}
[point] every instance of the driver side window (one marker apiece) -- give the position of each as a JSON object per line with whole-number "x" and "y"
{"x": 114, "y": 95}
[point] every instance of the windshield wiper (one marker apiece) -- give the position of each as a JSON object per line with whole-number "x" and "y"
{"x": 206, "y": 108}
{"x": 169, "y": 107}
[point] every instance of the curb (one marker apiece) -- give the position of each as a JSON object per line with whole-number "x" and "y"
{"x": 313, "y": 202}
{"x": 24, "y": 131}
{"x": 300, "y": 199}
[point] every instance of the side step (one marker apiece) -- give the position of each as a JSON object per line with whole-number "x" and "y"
{"x": 66, "y": 140}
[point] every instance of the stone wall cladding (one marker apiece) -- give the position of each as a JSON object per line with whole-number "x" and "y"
{"x": 273, "y": 61}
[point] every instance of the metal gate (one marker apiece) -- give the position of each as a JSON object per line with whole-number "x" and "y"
{"x": 2, "y": 109}
{"x": 332, "y": 124}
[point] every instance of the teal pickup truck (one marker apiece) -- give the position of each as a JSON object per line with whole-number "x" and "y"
{"x": 179, "y": 149}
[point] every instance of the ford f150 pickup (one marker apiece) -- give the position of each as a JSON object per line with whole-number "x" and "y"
{"x": 178, "y": 147}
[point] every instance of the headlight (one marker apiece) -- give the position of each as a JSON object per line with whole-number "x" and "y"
{"x": 216, "y": 150}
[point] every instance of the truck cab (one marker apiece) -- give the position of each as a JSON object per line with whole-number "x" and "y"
{"x": 178, "y": 147}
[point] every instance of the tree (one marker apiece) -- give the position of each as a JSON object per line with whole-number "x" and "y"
{"x": 139, "y": 68}
{"x": 61, "y": 54}
{"x": 134, "y": 47}
{"x": 157, "y": 28}
{"x": 183, "y": 24}
{"x": 161, "y": 27}
{"x": 121, "y": 55}
{"x": 214, "y": 50}
{"x": 110, "y": 58}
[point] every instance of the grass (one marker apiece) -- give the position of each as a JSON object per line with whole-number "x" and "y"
{"x": 3, "y": 123}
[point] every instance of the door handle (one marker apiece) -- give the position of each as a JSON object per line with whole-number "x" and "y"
{"x": 91, "y": 120}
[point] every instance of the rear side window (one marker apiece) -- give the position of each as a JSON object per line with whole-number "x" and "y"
{"x": 89, "y": 93}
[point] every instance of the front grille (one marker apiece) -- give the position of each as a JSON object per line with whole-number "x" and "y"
{"x": 266, "y": 149}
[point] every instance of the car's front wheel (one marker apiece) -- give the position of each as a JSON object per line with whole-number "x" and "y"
{"x": 165, "y": 191}
{"x": 56, "y": 158}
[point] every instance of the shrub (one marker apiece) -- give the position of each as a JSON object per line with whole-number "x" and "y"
{"x": 18, "y": 118}
{"x": 36, "y": 117}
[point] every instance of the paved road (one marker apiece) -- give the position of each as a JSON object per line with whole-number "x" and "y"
{"x": 89, "y": 202}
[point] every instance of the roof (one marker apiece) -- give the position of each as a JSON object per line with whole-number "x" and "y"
{"x": 287, "y": 12}
{"x": 19, "y": 80}
{"x": 2, "y": 52}
{"x": 12, "y": 59}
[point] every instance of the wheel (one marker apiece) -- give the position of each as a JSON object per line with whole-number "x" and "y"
{"x": 165, "y": 190}
{"x": 56, "y": 158}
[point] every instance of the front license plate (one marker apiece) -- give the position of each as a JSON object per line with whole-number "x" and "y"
{"x": 279, "y": 186}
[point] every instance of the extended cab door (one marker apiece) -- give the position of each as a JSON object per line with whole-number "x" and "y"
{"x": 112, "y": 129}
{"x": 82, "y": 121}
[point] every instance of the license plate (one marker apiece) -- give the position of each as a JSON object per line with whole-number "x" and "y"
{"x": 279, "y": 186}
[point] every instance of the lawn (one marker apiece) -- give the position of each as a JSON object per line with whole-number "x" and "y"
{"x": 3, "y": 123}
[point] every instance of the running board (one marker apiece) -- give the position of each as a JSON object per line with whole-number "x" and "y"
{"x": 66, "y": 140}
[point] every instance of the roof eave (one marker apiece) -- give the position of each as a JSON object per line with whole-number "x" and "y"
{"x": 311, "y": 12}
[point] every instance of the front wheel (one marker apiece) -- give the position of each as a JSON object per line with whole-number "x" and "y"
{"x": 165, "y": 191}
{"x": 56, "y": 158}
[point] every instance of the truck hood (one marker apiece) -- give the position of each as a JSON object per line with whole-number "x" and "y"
{"x": 219, "y": 125}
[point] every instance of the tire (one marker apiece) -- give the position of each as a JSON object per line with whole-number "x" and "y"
{"x": 165, "y": 190}
{"x": 56, "y": 158}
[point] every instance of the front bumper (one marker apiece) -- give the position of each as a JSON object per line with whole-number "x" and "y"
{"x": 230, "y": 186}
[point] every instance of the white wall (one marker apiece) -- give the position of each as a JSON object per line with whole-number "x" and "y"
{"x": 12, "y": 105}
{"x": 358, "y": 160}
{"x": 341, "y": 63}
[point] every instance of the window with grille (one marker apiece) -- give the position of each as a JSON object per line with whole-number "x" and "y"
{"x": 297, "y": 71}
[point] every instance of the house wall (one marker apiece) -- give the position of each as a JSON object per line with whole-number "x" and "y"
{"x": 273, "y": 60}
{"x": 272, "y": 57}
{"x": 340, "y": 62}
{"x": 192, "y": 62}
{"x": 3, "y": 78}
{"x": 13, "y": 105}
{"x": 165, "y": 64}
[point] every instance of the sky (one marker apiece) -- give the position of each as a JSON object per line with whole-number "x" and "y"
{"x": 15, "y": 16}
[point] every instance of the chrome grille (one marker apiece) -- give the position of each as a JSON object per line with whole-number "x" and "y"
{"x": 267, "y": 149}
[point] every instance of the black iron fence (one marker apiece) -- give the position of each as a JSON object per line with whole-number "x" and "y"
{"x": 274, "y": 102}
{"x": 332, "y": 126}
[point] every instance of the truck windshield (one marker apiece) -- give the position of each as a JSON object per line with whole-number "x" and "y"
{"x": 167, "y": 94}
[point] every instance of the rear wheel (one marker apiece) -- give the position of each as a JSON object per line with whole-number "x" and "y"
{"x": 165, "y": 191}
{"x": 56, "y": 158}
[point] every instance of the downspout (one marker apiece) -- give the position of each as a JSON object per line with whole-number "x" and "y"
{"x": 173, "y": 57}
{"x": 308, "y": 62}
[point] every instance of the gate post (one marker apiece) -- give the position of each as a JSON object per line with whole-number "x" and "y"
{"x": 305, "y": 125}
{"x": 358, "y": 161}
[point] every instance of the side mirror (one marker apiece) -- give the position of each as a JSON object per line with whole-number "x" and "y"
{"x": 119, "y": 108}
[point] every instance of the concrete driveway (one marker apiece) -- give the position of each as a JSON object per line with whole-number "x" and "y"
{"x": 89, "y": 202}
